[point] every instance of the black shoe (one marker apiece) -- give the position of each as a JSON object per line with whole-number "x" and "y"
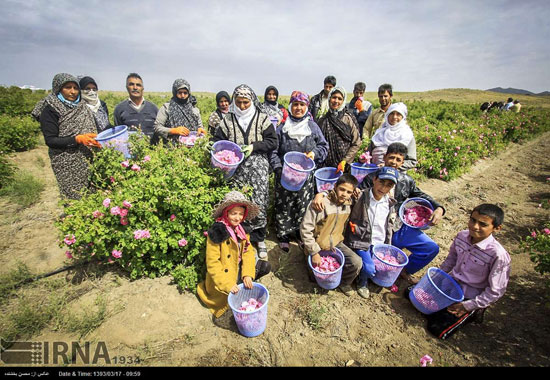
{"x": 263, "y": 267}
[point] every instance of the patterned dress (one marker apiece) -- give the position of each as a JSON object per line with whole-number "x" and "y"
{"x": 253, "y": 171}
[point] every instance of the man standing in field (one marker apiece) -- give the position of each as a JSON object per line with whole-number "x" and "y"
{"x": 319, "y": 103}
{"x": 376, "y": 118}
{"x": 136, "y": 112}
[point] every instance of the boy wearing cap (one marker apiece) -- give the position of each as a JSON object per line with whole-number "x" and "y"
{"x": 422, "y": 248}
{"x": 371, "y": 222}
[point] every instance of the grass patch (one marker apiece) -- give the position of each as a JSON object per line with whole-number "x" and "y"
{"x": 89, "y": 320}
{"x": 24, "y": 190}
{"x": 9, "y": 281}
{"x": 314, "y": 313}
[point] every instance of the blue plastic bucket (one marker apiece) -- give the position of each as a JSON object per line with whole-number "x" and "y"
{"x": 386, "y": 271}
{"x": 293, "y": 178}
{"x": 435, "y": 291}
{"x": 360, "y": 171}
{"x": 413, "y": 202}
{"x": 115, "y": 138}
{"x": 325, "y": 178}
{"x": 250, "y": 323}
{"x": 329, "y": 280}
{"x": 228, "y": 169}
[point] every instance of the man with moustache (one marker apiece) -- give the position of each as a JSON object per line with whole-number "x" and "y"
{"x": 136, "y": 112}
{"x": 376, "y": 118}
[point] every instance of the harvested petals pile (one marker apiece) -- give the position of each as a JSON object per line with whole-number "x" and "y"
{"x": 417, "y": 216}
{"x": 250, "y": 305}
{"x": 388, "y": 258}
{"x": 189, "y": 140}
{"x": 328, "y": 264}
{"x": 426, "y": 299}
{"x": 326, "y": 187}
{"x": 227, "y": 157}
{"x": 294, "y": 177}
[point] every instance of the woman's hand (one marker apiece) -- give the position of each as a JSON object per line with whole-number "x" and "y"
{"x": 437, "y": 215}
{"x": 310, "y": 155}
{"x": 87, "y": 139}
{"x": 247, "y": 281}
{"x": 235, "y": 289}
{"x": 318, "y": 202}
{"x": 179, "y": 131}
{"x": 201, "y": 131}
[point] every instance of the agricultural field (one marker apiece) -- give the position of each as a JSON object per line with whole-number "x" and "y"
{"x": 141, "y": 302}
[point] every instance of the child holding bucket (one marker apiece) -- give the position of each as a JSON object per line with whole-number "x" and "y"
{"x": 422, "y": 248}
{"x": 480, "y": 265}
{"x": 371, "y": 222}
{"x": 230, "y": 257}
{"x": 298, "y": 133}
{"x": 324, "y": 230}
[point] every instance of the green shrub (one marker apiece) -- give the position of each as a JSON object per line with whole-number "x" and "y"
{"x": 7, "y": 171}
{"x": 15, "y": 101}
{"x": 538, "y": 246}
{"x": 149, "y": 213}
{"x": 18, "y": 133}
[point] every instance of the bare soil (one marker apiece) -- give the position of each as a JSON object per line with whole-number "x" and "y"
{"x": 151, "y": 319}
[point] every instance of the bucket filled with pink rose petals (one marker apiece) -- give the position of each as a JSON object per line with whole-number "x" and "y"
{"x": 360, "y": 171}
{"x": 435, "y": 291}
{"x": 296, "y": 169}
{"x": 249, "y": 308}
{"x": 388, "y": 263}
{"x": 329, "y": 273}
{"x": 326, "y": 177}
{"x": 226, "y": 156}
{"x": 416, "y": 213}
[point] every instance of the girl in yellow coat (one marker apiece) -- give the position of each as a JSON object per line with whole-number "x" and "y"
{"x": 229, "y": 255}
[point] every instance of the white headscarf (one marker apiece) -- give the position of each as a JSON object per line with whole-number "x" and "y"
{"x": 92, "y": 99}
{"x": 400, "y": 132}
{"x": 342, "y": 91}
{"x": 244, "y": 117}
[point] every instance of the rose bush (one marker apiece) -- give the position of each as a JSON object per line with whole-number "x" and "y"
{"x": 150, "y": 221}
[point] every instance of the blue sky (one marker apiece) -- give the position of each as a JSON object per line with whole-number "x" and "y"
{"x": 216, "y": 45}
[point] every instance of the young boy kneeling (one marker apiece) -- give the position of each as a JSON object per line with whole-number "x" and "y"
{"x": 324, "y": 230}
{"x": 480, "y": 265}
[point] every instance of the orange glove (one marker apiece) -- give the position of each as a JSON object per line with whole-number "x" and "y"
{"x": 352, "y": 227}
{"x": 179, "y": 131}
{"x": 87, "y": 139}
{"x": 310, "y": 155}
{"x": 201, "y": 131}
{"x": 359, "y": 105}
{"x": 341, "y": 166}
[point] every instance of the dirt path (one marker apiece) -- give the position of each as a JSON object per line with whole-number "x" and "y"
{"x": 151, "y": 319}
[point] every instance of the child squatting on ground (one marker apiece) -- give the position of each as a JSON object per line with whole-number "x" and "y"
{"x": 230, "y": 257}
{"x": 324, "y": 230}
{"x": 371, "y": 222}
{"x": 480, "y": 265}
{"x": 422, "y": 248}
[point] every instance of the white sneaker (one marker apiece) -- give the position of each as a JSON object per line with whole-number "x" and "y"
{"x": 262, "y": 250}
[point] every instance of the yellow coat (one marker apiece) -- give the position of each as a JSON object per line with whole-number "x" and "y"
{"x": 222, "y": 268}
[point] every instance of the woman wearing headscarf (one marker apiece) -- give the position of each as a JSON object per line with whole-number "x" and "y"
{"x": 299, "y": 133}
{"x": 178, "y": 117}
{"x": 394, "y": 129}
{"x": 69, "y": 129}
{"x": 271, "y": 105}
{"x": 88, "y": 91}
{"x": 247, "y": 125}
{"x": 222, "y": 107}
{"x": 340, "y": 130}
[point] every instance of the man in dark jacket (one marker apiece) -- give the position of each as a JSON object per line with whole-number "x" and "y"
{"x": 319, "y": 103}
{"x": 136, "y": 112}
{"x": 423, "y": 249}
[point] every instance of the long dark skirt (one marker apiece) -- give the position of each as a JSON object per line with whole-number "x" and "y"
{"x": 290, "y": 207}
{"x": 254, "y": 173}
